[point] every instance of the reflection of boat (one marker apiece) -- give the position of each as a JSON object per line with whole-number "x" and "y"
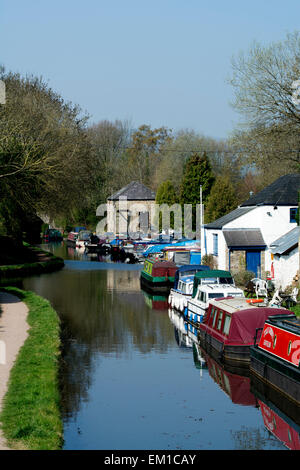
{"x": 183, "y": 285}
{"x": 155, "y": 301}
{"x": 229, "y": 327}
{"x": 181, "y": 335}
{"x": 158, "y": 275}
{"x": 281, "y": 416}
{"x": 235, "y": 382}
{"x": 276, "y": 357}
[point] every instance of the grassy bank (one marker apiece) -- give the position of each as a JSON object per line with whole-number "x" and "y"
{"x": 31, "y": 417}
{"x": 30, "y": 261}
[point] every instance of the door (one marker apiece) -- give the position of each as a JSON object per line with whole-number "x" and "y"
{"x": 253, "y": 262}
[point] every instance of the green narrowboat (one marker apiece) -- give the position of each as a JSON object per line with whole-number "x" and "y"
{"x": 158, "y": 275}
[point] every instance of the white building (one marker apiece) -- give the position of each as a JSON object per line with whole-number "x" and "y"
{"x": 285, "y": 258}
{"x": 242, "y": 239}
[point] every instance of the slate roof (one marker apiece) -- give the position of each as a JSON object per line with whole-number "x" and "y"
{"x": 219, "y": 223}
{"x": 246, "y": 237}
{"x": 134, "y": 191}
{"x": 287, "y": 242}
{"x": 282, "y": 192}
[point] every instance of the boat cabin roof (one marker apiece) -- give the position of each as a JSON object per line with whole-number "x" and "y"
{"x": 288, "y": 321}
{"x": 214, "y": 273}
{"x": 236, "y": 323}
{"x": 237, "y": 305}
{"x": 226, "y": 288}
{"x": 187, "y": 279}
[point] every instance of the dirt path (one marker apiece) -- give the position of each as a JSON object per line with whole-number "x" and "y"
{"x": 13, "y": 332}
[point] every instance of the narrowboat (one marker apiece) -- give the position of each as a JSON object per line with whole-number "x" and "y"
{"x": 275, "y": 358}
{"x": 52, "y": 235}
{"x": 183, "y": 285}
{"x": 208, "y": 285}
{"x": 158, "y": 275}
{"x": 229, "y": 327}
{"x": 73, "y": 235}
{"x": 83, "y": 238}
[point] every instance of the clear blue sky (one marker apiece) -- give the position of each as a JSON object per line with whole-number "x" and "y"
{"x": 158, "y": 62}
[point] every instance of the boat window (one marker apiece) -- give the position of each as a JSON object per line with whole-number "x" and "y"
{"x": 180, "y": 285}
{"x": 226, "y": 280}
{"x": 190, "y": 289}
{"x": 274, "y": 341}
{"x": 226, "y": 326}
{"x": 219, "y": 323}
{"x": 289, "y": 348}
{"x": 214, "y": 319}
{"x": 209, "y": 280}
{"x": 216, "y": 295}
{"x": 201, "y": 296}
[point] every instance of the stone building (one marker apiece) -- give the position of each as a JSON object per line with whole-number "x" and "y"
{"x": 130, "y": 210}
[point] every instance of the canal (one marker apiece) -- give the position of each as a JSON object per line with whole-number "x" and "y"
{"x": 133, "y": 378}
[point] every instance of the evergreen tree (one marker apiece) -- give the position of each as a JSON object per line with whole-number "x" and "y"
{"x": 197, "y": 172}
{"x": 222, "y": 199}
{"x": 166, "y": 194}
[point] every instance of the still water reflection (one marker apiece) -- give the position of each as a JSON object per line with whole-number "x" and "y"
{"x": 132, "y": 376}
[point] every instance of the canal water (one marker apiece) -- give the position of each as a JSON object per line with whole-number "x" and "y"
{"x": 132, "y": 376}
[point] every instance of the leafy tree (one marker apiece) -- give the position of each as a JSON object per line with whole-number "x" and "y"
{"x": 263, "y": 81}
{"x": 45, "y": 164}
{"x": 145, "y": 146}
{"x": 222, "y": 199}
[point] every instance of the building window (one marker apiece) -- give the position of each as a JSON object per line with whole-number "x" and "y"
{"x": 293, "y": 214}
{"x": 215, "y": 244}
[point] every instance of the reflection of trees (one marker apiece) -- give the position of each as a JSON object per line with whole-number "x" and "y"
{"x": 252, "y": 439}
{"x": 95, "y": 319}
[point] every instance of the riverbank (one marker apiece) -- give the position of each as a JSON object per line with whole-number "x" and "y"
{"x": 26, "y": 260}
{"x": 13, "y": 333}
{"x": 30, "y": 416}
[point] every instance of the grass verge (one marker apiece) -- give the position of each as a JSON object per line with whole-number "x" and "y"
{"x": 31, "y": 418}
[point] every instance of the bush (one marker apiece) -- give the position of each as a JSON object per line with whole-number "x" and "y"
{"x": 209, "y": 260}
{"x": 243, "y": 277}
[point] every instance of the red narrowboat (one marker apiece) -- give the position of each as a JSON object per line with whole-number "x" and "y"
{"x": 276, "y": 357}
{"x": 229, "y": 327}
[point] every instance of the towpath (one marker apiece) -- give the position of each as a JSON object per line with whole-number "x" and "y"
{"x": 13, "y": 333}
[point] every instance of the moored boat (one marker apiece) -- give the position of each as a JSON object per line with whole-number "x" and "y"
{"x": 208, "y": 285}
{"x": 183, "y": 285}
{"x": 158, "y": 275}
{"x": 275, "y": 358}
{"x": 229, "y": 327}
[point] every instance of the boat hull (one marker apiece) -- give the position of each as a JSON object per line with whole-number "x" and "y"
{"x": 228, "y": 354}
{"x": 157, "y": 284}
{"x": 276, "y": 372}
